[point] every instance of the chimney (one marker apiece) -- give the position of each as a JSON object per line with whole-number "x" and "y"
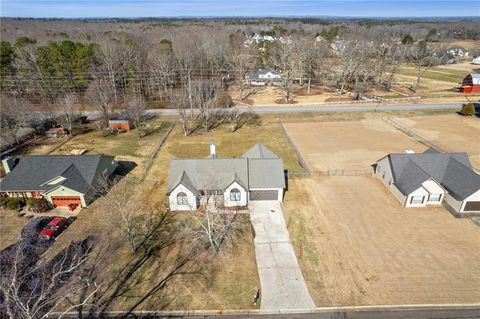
{"x": 8, "y": 164}
{"x": 213, "y": 149}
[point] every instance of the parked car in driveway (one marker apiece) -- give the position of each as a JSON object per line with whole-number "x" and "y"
{"x": 54, "y": 228}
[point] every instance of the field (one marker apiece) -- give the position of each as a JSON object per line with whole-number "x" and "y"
{"x": 348, "y": 145}
{"x": 357, "y": 245}
{"x": 449, "y": 132}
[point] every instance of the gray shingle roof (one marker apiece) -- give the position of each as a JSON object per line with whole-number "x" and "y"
{"x": 451, "y": 170}
{"x": 31, "y": 173}
{"x": 257, "y": 168}
{"x": 259, "y": 151}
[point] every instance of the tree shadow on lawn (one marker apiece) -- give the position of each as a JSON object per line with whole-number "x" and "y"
{"x": 145, "y": 274}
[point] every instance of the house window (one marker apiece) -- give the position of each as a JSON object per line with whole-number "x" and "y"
{"x": 235, "y": 195}
{"x": 182, "y": 199}
{"x": 434, "y": 197}
{"x": 416, "y": 200}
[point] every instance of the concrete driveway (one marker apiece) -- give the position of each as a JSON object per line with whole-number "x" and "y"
{"x": 282, "y": 283}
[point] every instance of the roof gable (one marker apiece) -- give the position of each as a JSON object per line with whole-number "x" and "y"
{"x": 259, "y": 151}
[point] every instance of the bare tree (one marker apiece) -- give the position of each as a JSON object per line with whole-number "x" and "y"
{"x": 310, "y": 59}
{"x": 241, "y": 61}
{"x": 32, "y": 288}
{"x": 181, "y": 101}
{"x": 136, "y": 112}
{"x": 424, "y": 58}
{"x": 65, "y": 109}
{"x": 137, "y": 223}
{"x": 237, "y": 118}
{"x": 15, "y": 114}
{"x": 101, "y": 95}
{"x": 284, "y": 59}
{"x": 204, "y": 98}
{"x": 396, "y": 55}
{"x": 116, "y": 53}
{"x": 213, "y": 226}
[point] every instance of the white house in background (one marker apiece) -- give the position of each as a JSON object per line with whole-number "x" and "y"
{"x": 263, "y": 76}
{"x": 428, "y": 178}
{"x": 230, "y": 182}
{"x": 476, "y": 60}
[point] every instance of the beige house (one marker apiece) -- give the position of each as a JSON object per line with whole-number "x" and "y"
{"x": 431, "y": 178}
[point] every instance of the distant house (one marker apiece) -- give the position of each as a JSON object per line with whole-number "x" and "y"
{"x": 429, "y": 178}
{"x": 230, "y": 182}
{"x": 476, "y": 61}
{"x": 115, "y": 124}
{"x": 56, "y": 132}
{"x": 61, "y": 179}
{"x": 471, "y": 84}
{"x": 263, "y": 76}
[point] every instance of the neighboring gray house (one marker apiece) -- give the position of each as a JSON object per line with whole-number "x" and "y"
{"x": 263, "y": 76}
{"x": 428, "y": 178}
{"x": 61, "y": 179}
{"x": 231, "y": 182}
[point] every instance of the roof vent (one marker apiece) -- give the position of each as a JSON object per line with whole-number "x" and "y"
{"x": 409, "y": 152}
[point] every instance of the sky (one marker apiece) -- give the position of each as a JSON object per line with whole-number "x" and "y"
{"x": 254, "y": 8}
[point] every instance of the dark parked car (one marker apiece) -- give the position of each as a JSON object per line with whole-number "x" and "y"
{"x": 54, "y": 228}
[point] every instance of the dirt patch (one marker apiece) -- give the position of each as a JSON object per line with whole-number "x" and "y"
{"x": 313, "y": 91}
{"x": 349, "y": 145}
{"x": 455, "y": 133}
{"x": 357, "y": 245}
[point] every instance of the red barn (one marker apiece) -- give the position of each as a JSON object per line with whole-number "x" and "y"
{"x": 471, "y": 84}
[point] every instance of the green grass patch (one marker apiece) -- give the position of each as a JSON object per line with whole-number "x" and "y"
{"x": 435, "y": 74}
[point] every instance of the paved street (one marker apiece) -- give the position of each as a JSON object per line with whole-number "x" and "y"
{"x": 265, "y": 109}
{"x": 281, "y": 280}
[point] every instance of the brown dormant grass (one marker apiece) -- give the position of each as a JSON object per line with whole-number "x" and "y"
{"x": 349, "y": 145}
{"x": 357, "y": 245}
{"x": 454, "y": 132}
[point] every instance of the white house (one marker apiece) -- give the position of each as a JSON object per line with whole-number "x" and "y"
{"x": 430, "y": 178}
{"x": 263, "y": 76}
{"x": 230, "y": 182}
{"x": 476, "y": 61}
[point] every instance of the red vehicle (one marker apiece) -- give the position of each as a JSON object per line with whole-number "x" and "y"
{"x": 54, "y": 228}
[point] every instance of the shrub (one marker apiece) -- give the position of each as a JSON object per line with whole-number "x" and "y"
{"x": 4, "y": 201}
{"x": 468, "y": 109}
{"x": 40, "y": 205}
{"x": 29, "y": 201}
{"x": 14, "y": 203}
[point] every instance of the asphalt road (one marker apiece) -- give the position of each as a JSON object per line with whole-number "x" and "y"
{"x": 339, "y": 108}
{"x": 373, "y": 312}
{"x": 265, "y": 109}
